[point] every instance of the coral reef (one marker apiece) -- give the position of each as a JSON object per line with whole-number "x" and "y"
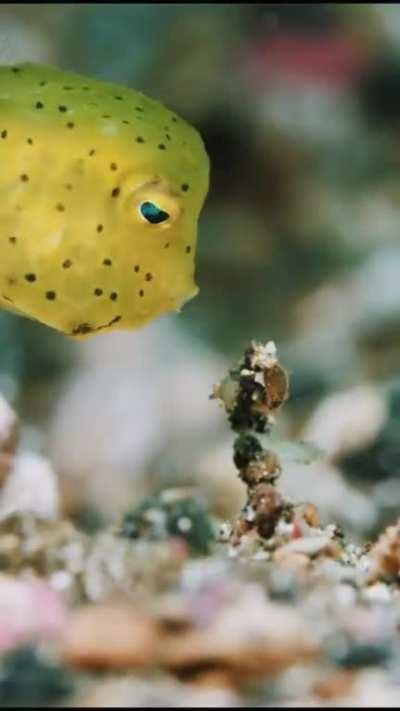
{"x": 276, "y": 609}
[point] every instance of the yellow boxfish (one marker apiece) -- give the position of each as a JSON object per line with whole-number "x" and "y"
{"x": 101, "y": 188}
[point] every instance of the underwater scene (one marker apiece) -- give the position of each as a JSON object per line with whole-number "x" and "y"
{"x": 199, "y": 355}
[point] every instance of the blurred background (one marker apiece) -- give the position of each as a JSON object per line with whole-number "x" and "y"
{"x": 299, "y": 108}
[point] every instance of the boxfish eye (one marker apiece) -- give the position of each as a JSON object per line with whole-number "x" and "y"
{"x": 152, "y": 213}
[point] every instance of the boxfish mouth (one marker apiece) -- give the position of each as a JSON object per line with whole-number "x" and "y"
{"x": 86, "y": 329}
{"x": 83, "y": 329}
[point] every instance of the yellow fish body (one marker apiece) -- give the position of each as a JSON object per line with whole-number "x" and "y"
{"x": 100, "y": 193}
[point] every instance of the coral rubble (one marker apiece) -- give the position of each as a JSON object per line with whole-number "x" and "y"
{"x": 276, "y": 609}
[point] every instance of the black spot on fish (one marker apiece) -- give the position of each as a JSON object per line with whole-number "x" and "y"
{"x": 51, "y": 295}
{"x": 30, "y": 277}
